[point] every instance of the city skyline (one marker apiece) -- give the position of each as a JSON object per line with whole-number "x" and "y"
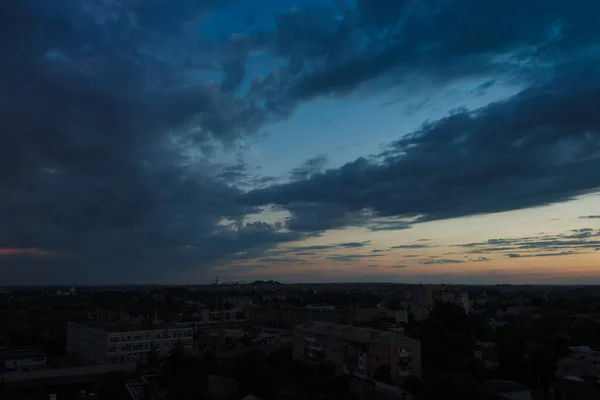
{"x": 441, "y": 141}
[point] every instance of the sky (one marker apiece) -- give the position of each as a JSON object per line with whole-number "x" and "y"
{"x": 154, "y": 141}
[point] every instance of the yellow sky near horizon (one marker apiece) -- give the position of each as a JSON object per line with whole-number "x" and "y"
{"x": 442, "y": 237}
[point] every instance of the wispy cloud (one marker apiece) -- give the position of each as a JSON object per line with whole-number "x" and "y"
{"x": 562, "y": 253}
{"x": 573, "y": 240}
{"x": 354, "y": 244}
{"x": 351, "y": 257}
{"x": 442, "y": 261}
{"x": 26, "y": 252}
{"x": 411, "y": 246}
{"x": 282, "y": 260}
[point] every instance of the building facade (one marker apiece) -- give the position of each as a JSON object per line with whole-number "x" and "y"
{"x": 580, "y": 364}
{"x": 121, "y": 344}
{"x": 286, "y": 317}
{"x": 360, "y": 352}
{"x": 21, "y": 360}
{"x": 460, "y": 299}
{"x": 424, "y": 297}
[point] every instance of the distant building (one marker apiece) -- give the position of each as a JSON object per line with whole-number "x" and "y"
{"x": 320, "y": 307}
{"x": 421, "y": 301}
{"x": 358, "y": 351}
{"x": 207, "y": 315}
{"x": 21, "y": 360}
{"x": 496, "y": 324}
{"x": 282, "y": 316}
{"x": 121, "y": 344}
{"x": 486, "y": 353}
{"x": 424, "y": 297}
{"x": 370, "y": 314}
{"x": 460, "y": 299}
{"x": 575, "y": 388}
{"x": 581, "y": 364}
{"x": 507, "y": 390}
{"x": 238, "y": 303}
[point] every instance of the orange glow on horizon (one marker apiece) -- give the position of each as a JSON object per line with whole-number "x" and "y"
{"x": 26, "y": 251}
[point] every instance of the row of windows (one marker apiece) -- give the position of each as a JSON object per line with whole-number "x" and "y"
{"x": 147, "y": 336}
{"x": 137, "y": 347}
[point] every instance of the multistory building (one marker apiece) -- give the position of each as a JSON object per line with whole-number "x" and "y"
{"x": 360, "y": 352}
{"x": 122, "y": 343}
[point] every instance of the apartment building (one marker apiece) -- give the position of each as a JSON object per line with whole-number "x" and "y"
{"x": 358, "y": 351}
{"x": 460, "y": 299}
{"x": 424, "y": 297}
{"x": 579, "y": 364}
{"x": 21, "y": 359}
{"x": 283, "y": 316}
{"x": 121, "y": 344}
{"x": 370, "y": 314}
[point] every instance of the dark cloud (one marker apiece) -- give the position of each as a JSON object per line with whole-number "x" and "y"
{"x": 351, "y": 257}
{"x": 112, "y": 112}
{"x": 412, "y": 246}
{"x": 441, "y": 261}
{"x": 103, "y": 146}
{"x": 398, "y": 266}
{"x": 388, "y": 224}
{"x": 377, "y": 251}
{"x": 572, "y": 242}
{"x": 543, "y": 149}
{"x": 372, "y": 266}
{"x": 315, "y": 247}
{"x": 309, "y": 168}
{"x": 329, "y": 246}
{"x": 355, "y": 244}
{"x": 562, "y": 253}
{"x": 312, "y": 217}
{"x": 281, "y": 260}
{"x": 590, "y": 217}
{"x": 441, "y": 39}
{"x": 241, "y": 268}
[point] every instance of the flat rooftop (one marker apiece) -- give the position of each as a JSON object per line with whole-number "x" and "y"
{"x": 114, "y": 327}
{"x": 20, "y": 355}
{"x": 58, "y": 373}
{"x": 353, "y": 333}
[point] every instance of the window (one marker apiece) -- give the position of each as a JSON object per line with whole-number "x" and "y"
{"x": 129, "y": 338}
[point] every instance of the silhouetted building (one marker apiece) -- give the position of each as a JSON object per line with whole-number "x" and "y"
{"x": 360, "y": 352}
{"x": 120, "y": 343}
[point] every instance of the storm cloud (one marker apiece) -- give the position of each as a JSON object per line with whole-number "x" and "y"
{"x": 540, "y": 147}
{"x": 112, "y": 113}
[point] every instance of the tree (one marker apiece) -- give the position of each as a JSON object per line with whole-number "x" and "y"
{"x": 383, "y": 374}
{"x": 184, "y": 375}
{"x": 153, "y": 359}
{"x": 113, "y": 387}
